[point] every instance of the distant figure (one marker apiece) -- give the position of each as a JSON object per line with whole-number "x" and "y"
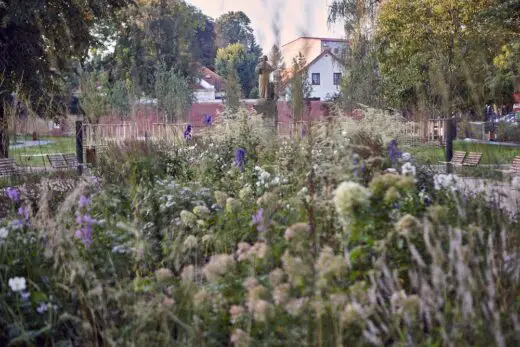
{"x": 263, "y": 69}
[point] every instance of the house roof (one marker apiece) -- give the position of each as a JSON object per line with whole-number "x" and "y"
{"x": 212, "y": 78}
{"x": 315, "y": 38}
{"x": 287, "y": 74}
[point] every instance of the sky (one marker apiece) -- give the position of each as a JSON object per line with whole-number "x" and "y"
{"x": 278, "y": 21}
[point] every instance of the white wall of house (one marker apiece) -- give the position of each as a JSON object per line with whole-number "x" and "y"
{"x": 326, "y": 67}
{"x": 203, "y": 95}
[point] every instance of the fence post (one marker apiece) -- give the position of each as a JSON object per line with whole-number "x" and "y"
{"x": 79, "y": 146}
{"x": 449, "y": 135}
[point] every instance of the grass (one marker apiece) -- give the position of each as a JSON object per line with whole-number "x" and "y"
{"x": 491, "y": 154}
{"x": 35, "y": 156}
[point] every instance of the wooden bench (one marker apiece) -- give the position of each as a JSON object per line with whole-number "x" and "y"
{"x": 57, "y": 161}
{"x": 8, "y": 167}
{"x": 71, "y": 159}
{"x": 457, "y": 159}
{"x": 515, "y": 167}
{"x": 473, "y": 159}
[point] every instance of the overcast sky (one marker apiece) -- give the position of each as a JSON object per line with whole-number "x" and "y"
{"x": 277, "y": 21}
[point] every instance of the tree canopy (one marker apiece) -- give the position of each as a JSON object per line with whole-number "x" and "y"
{"x": 236, "y": 56}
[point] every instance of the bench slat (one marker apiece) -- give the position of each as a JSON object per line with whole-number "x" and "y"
{"x": 57, "y": 161}
{"x": 473, "y": 159}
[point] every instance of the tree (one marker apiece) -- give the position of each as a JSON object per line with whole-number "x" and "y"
{"x": 121, "y": 97}
{"x": 276, "y": 60}
{"x": 173, "y": 92}
{"x": 301, "y": 88}
{"x": 234, "y": 27}
{"x": 434, "y": 54}
{"x": 37, "y": 40}
{"x": 94, "y": 95}
{"x": 169, "y": 34}
{"x": 236, "y": 56}
{"x": 232, "y": 88}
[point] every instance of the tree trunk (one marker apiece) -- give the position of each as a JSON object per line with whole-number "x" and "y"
{"x": 4, "y": 133}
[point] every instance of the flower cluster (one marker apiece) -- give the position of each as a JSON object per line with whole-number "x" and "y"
{"x": 84, "y": 222}
{"x": 240, "y": 159}
{"x": 449, "y": 181}
{"x": 266, "y": 180}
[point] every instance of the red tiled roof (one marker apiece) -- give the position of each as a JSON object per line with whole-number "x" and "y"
{"x": 212, "y": 78}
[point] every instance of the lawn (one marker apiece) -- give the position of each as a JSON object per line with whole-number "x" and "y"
{"x": 36, "y": 155}
{"x": 491, "y": 154}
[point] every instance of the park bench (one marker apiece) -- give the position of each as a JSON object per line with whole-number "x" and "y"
{"x": 515, "y": 167}
{"x": 473, "y": 159}
{"x": 8, "y": 167}
{"x": 71, "y": 159}
{"x": 457, "y": 159}
{"x": 57, "y": 161}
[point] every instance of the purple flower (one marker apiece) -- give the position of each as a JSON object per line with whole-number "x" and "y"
{"x": 240, "y": 158}
{"x": 24, "y": 213}
{"x": 187, "y": 132}
{"x": 85, "y": 235}
{"x": 208, "y": 120}
{"x": 258, "y": 220}
{"x": 25, "y": 295}
{"x": 42, "y": 308}
{"x": 83, "y": 201}
{"x": 393, "y": 151}
{"x": 13, "y": 194}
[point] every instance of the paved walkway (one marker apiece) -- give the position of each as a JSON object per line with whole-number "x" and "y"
{"x": 31, "y": 144}
{"x": 507, "y": 196}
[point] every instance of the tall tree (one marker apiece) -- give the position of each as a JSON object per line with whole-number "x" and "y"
{"x": 435, "y": 54}
{"x": 173, "y": 93}
{"x": 232, "y": 88}
{"x": 236, "y": 55}
{"x": 300, "y": 87}
{"x": 277, "y": 62}
{"x": 37, "y": 40}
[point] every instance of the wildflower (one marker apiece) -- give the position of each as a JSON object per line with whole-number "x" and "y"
{"x": 188, "y": 218}
{"x": 23, "y": 212}
{"x": 393, "y": 151}
{"x": 240, "y": 158}
{"x": 250, "y": 283}
{"x": 13, "y": 194}
{"x": 406, "y": 157}
{"x": 208, "y": 120}
{"x": 258, "y": 220}
{"x": 188, "y": 274}
{"x": 281, "y": 293}
{"x": 262, "y": 310}
{"x": 243, "y": 251}
{"x": 42, "y": 308}
{"x": 201, "y": 211}
{"x": 221, "y": 198}
{"x": 276, "y": 276}
{"x": 259, "y": 250}
{"x": 83, "y": 201}
{"x": 246, "y": 193}
{"x": 350, "y": 196}
{"x": 85, "y": 235}
{"x": 239, "y": 338}
{"x": 328, "y": 264}
{"x": 17, "y": 284}
{"x": 299, "y": 230}
{"x": 190, "y": 243}
{"x": 25, "y": 296}
{"x": 406, "y": 224}
{"x": 442, "y": 181}
{"x": 187, "y": 132}
{"x": 218, "y": 266}
{"x": 236, "y": 313}
{"x": 408, "y": 170}
{"x": 4, "y": 233}
{"x": 296, "y": 306}
{"x": 232, "y": 205}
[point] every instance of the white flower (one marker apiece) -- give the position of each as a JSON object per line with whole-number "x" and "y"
{"x": 3, "y": 233}
{"x": 408, "y": 170}
{"x": 348, "y": 196}
{"x": 406, "y": 156}
{"x": 17, "y": 284}
{"x": 442, "y": 181}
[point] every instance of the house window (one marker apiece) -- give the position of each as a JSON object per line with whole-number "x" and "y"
{"x": 315, "y": 79}
{"x": 337, "y": 78}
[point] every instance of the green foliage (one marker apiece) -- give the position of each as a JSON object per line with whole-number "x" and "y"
{"x": 94, "y": 96}
{"x": 300, "y": 87}
{"x": 232, "y": 88}
{"x": 237, "y": 57}
{"x": 173, "y": 92}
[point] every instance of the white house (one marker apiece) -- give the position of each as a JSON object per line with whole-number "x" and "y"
{"x": 324, "y": 66}
{"x": 209, "y": 86}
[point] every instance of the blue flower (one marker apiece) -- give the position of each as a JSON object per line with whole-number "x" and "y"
{"x": 240, "y": 158}
{"x": 13, "y": 194}
{"x": 393, "y": 151}
{"x": 208, "y": 120}
{"x": 83, "y": 201}
{"x": 187, "y": 132}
